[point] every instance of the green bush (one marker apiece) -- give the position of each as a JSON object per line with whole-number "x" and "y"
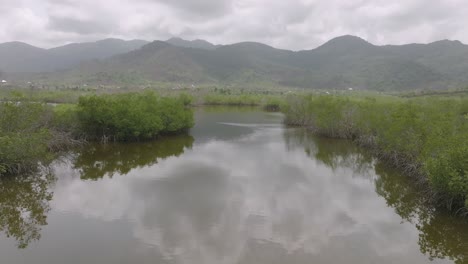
{"x": 24, "y": 136}
{"x": 273, "y": 104}
{"x": 133, "y": 116}
{"x": 30, "y": 133}
{"x": 66, "y": 118}
{"x": 427, "y": 137}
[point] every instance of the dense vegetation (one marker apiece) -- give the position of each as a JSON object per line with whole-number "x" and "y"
{"x": 425, "y": 137}
{"x": 27, "y": 135}
{"x": 135, "y": 116}
{"x": 30, "y": 133}
{"x": 441, "y": 234}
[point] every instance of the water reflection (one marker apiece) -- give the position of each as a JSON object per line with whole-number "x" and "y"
{"x": 441, "y": 235}
{"x": 24, "y": 204}
{"x": 211, "y": 122}
{"x": 332, "y": 153}
{"x": 246, "y": 191}
{"x": 24, "y": 200}
{"x": 98, "y": 160}
{"x": 221, "y": 203}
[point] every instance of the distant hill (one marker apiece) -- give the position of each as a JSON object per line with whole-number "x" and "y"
{"x": 349, "y": 61}
{"x": 342, "y": 62}
{"x": 21, "y": 57}
{"x": 196, "y": 44}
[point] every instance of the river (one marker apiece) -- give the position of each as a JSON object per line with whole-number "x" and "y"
{"x": 240, "y": 189}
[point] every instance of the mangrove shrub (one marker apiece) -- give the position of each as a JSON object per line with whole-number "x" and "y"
{"x": 427, "y": 137}
{"x": 126, "y": 117}
{"x": 24, "y": 136}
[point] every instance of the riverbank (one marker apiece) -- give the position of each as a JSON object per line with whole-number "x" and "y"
{"x": 426, "y": 138}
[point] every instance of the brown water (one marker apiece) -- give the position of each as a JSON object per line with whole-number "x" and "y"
{"x": 240, "y": 189}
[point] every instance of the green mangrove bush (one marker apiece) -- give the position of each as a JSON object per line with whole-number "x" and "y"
{"x": 32, "y": 133}
{"x": 135, "y": 116}
{"x": 426, "y": 137}
{"x": 24, "y": 136}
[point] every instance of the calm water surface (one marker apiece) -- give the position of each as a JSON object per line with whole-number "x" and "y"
{"x": 240, "y": 189}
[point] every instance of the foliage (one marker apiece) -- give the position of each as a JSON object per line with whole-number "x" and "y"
{"x": 65, "y": 117}
{"x": 133, "y": 116}
{"x": 273, "y": 104}
{"x": 31, "y": 132}
{"x": 427, "y": 137}
{"x": 269, "y": 102}
{"x": 24, "y": 136}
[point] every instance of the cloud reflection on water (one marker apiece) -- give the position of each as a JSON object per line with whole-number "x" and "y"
{"x": 253, "y": 199}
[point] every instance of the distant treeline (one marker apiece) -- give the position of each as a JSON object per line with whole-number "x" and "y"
{"x": 447, "y": 93}
{"x": 31, "y": 133}
{"x": 425, "y": 137}
{"x": 267, "y": 102}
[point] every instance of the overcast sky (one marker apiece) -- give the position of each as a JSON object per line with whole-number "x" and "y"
{"x": 291, "y": 24}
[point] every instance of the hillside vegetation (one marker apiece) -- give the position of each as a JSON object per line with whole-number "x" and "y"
{"x": 341, "y": 63}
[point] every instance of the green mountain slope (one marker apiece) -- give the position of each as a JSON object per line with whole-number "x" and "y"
{"x": 340, "y": 63}
{"x": 352, "y": 62}
{"x": 196, "y": 44}
{"x": 21, "y": 57}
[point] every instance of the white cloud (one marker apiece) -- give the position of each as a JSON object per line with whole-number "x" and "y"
{"x": 293, "y": 24}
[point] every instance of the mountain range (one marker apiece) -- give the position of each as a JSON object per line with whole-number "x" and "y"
{"x": 22, "y": 57}
{"x": 346, "y": 61}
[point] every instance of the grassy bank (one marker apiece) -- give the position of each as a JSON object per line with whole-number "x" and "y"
{"x": 425, "y": 137}
{"x": 33, "y": 133}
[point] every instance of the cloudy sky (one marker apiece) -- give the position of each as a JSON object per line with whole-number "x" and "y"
{"x": 292, "y": 24}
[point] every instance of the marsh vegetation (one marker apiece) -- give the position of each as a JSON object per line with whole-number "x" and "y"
{"x": 425, "y": 137}
{"x": 31, "y": 134}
